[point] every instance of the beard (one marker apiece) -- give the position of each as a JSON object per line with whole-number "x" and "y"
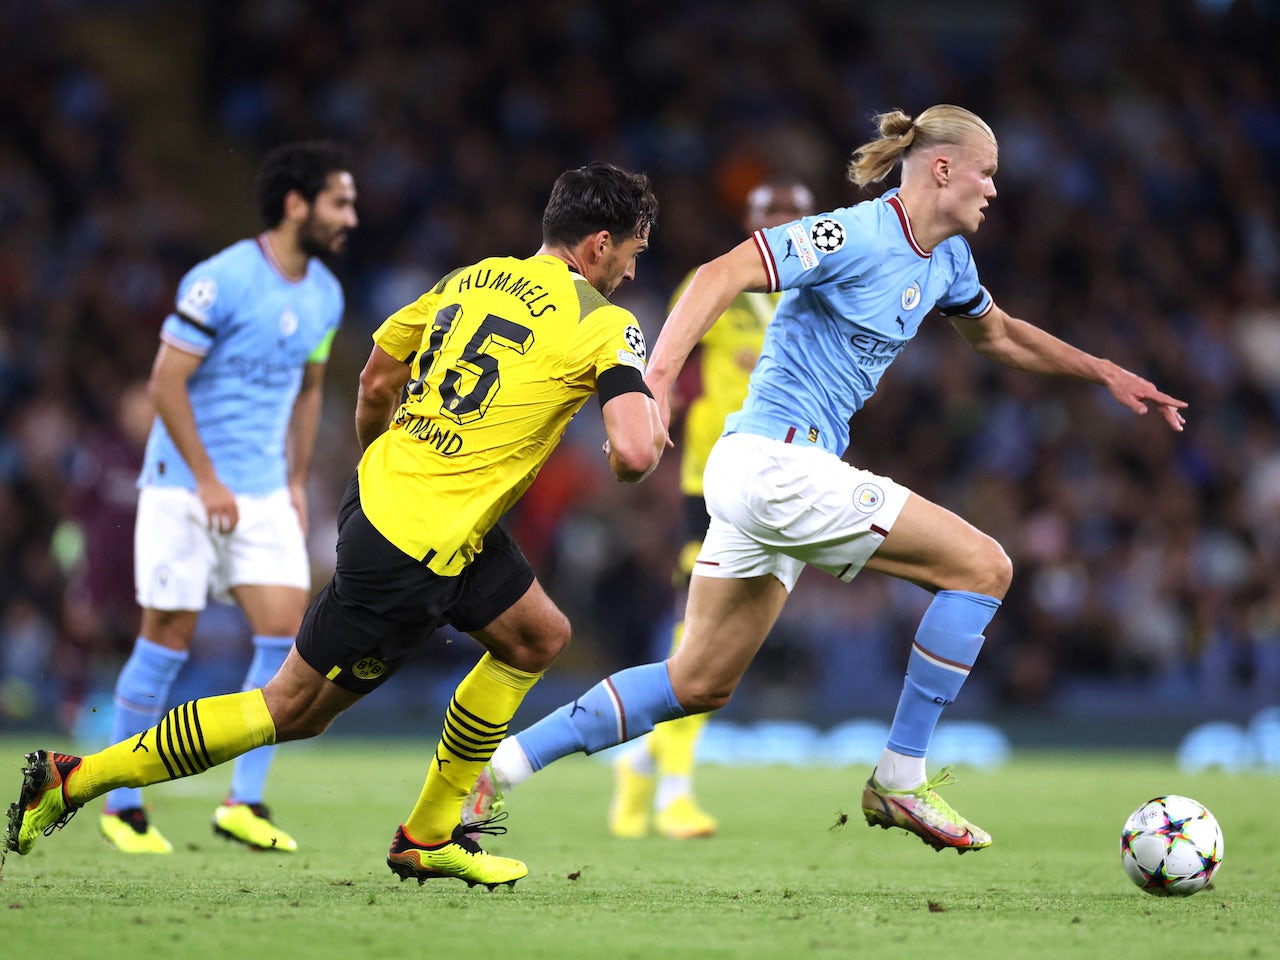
{"x": 315, "y": 242}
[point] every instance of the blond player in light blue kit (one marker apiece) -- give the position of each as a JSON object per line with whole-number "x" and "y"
{"x": 859, "y": 282}
{"x": 222, "y": 493}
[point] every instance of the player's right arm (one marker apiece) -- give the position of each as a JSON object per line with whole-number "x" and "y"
{"x": 390, "y": 364}
{"x": 708, "y": 296}
{"x": 168, "y": 389}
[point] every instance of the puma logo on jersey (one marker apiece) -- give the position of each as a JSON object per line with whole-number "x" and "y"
{"x": 804, "y": 249}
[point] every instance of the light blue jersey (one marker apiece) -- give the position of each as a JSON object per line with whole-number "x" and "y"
{"x": 857, "y": 287}
{"x": 257, "y": 330}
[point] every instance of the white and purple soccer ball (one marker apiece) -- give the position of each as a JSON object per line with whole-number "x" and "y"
{"x": 1171, "y": 846}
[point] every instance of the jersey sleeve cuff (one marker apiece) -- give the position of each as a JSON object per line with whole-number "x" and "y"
{"x": 766, "y": 257}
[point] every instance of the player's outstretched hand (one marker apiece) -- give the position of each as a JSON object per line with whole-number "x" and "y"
{"x": 1136, "y": 393}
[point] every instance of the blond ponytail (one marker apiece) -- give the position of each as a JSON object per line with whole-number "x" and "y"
{"x": 899, "y": 133}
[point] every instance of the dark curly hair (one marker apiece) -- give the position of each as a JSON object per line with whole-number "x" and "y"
{"x": 304, "y": 167}
{"x": 598, "y": 197}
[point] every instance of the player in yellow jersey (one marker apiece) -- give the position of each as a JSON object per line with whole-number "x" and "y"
{"x": 491, "y": 363}
{"x": 656, "y": 774}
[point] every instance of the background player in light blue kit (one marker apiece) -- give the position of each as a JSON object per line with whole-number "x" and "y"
{"x": 222, "y": 493}
{"x": 859, "y": 281}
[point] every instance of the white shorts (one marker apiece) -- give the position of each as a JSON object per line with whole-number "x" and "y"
{"x": 777, "y": 506}
{"x": 179, "y": 562}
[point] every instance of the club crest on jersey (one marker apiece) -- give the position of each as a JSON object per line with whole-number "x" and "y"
{"x": 200, "y": 296}
{"x": 635, "y": 340}
{"x": 867, "y": 497}
{"x": 911, "y": 296}
{"x": 801, "y": 247}
{"x": 827, "y": 235}
{"x": 288, "y": 322}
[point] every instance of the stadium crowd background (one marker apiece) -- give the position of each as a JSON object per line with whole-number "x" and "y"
{"x": 1138, "y": 217}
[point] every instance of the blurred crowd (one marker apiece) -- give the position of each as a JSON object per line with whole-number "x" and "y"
{"x": 1137, "y": 217}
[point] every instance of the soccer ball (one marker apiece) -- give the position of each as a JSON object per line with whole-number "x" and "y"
{"x": 1171, "y": 846}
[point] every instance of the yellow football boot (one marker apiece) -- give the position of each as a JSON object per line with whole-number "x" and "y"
{"x": 683, "y": 819}
{"x": 43, "y": 805}
{"x": 129, "y": 831}
{"x": 459, "y": 858}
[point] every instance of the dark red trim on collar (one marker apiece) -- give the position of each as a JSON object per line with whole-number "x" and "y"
{"x": 903, "y": 219}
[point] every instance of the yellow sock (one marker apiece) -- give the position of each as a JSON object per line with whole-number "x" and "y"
{"x": 189, "y": 739}
{"x": 675, "y": 743}
{"x": 474, "y": 725}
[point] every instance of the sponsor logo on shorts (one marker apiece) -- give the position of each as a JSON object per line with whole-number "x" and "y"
{"x": 867, "y": 497}
{"x": 369, "y": 668}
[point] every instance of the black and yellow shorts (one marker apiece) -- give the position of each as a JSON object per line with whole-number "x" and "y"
{"x": 382, "y": 604}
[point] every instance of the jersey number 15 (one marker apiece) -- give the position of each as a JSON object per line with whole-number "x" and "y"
{"x": 478, "y": 359}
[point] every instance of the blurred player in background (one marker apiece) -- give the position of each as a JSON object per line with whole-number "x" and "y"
{"x": 100, "y": 608}
{"x": 222, "y": 502}
{"x": 496, "y": 358}
{"x": 859, "y": 281}
{"x": 656, "y": 775}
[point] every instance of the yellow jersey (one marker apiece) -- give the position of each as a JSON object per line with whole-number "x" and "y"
{"x": 728, "y": 353}
{"x": 504, "y": 353}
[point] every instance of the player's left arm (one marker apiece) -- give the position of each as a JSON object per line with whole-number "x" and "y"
{"x": 633, "y": 426}
{"x": 635, "y": 433}
{"x": 303, "y": 425}
{"x": 1016, "y": 343}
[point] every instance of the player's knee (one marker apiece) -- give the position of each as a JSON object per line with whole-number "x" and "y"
{"x": 707, "y": 701}
{"x": 539, "y": 648}
{"x": 698, "y": 695}
{"x": 557, "y": 637}
{"x": 300, "y": 728}
{"x": 293, "y": 721}
{"x": 297, "y": 712}
{"x": 992, "y": 570}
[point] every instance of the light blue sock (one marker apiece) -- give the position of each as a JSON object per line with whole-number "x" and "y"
{"x": 620, "y": 707}
{"x": 249, "y": 773}
{"x": 946, "y": 647}
{"x": 141, "y": 698}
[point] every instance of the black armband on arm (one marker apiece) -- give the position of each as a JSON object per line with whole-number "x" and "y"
{"x": 199, "y": 325}
{"x": 962, "y": 309}
{"x": 619, "y": 380}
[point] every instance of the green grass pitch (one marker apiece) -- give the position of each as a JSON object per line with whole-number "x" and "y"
{"x": 794, "y": 872}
